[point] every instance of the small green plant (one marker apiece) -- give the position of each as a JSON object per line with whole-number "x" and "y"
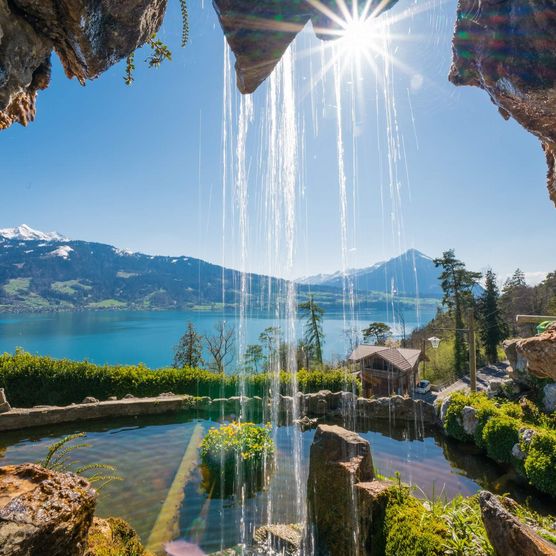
{"x": 237, "y": 450}
{"x": 249, "y": 442}
{"x": 58, "y": 458}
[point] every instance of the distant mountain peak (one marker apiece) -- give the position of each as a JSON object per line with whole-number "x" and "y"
{"x": 412, "y": 273}
{"x": 26, "y": 233}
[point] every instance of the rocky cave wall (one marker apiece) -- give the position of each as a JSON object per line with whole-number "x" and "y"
{"x": 88, "y": 36}
{"x": 508, "y": 48}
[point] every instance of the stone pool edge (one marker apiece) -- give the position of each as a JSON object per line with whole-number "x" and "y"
{"x": 318, "y": 404}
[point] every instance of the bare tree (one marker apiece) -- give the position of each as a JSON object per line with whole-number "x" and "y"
{"x": 221, "y": 346}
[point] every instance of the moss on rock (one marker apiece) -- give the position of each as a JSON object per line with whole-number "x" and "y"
{"x": 114, "y": 537}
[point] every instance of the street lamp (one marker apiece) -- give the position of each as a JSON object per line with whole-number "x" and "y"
{"x": 435, "y": 342}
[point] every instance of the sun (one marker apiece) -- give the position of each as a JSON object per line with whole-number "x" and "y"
{"x": 357, "y": 37}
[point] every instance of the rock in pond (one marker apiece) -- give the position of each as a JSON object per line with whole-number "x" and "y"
{"x": 280, "y": 538}
{"x": 342, "y": 495}
{"x": 43, "y": 512}
{"x": 508, "y": 536}
{"x": 89, "y": 399}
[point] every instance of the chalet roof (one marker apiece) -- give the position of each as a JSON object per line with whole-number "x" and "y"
{"x": 402, "y": 358}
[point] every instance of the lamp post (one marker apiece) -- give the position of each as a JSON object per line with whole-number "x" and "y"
{"x": 471, "y": 334}
{"x": 435, "y": 342}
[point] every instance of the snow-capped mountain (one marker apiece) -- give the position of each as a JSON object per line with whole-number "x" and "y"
{"x": 410, "y": 274}
{"x": 44, "y": 271}
{"x": 26, "y": 233}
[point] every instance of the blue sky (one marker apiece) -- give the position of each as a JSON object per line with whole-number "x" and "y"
{"x": 141, "y": 167}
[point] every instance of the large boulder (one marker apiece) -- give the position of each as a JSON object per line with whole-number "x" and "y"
{"x": 339, "y": 460}
{"x": 44, "y": 512}
{"x": 540, "y": 351}
{"x": 88, "y": 37}
{"x": 506, "y": 47}
{"x": 508, "y": 536}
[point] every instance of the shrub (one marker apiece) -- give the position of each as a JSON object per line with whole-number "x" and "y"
{"x": 453, "y": 422}
{"x": 243, "y": 447}
{"x": 35, "y": 380}
{"x": 540, "y": 462}
{"x": 500, "y": 434}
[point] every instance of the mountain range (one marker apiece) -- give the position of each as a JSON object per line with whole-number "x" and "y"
{"x": 45, "y": 271}
{"x": 412, "y": 274}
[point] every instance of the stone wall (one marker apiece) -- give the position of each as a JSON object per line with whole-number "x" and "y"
{"x": 315, "y": 405}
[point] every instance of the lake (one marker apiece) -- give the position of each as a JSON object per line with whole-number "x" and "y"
{"x": 130, "y": 337}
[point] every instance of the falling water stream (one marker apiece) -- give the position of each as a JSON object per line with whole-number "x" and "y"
{"x": 264, "y": 173}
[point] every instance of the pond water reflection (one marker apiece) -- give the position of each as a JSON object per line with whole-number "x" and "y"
{"x": 148, "y": 452}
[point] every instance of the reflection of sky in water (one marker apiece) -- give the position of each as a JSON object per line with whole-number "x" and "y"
{"x": 130, "y": 337}
{"x": 148, "y": 451}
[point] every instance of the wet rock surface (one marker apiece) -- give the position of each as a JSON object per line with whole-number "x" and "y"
{"x": 279, "y": 538}
{"x": 88, "y": 37}
{"x": 44, "y": 512}
{"x": 506, "y": 47}
{"x": 341, "y": 458}
{"x": 508, "y": 535}
{"x": 340, "y": 518}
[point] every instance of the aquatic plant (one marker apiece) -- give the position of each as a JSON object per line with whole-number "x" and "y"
{"x": 237, "y": 449}
{"x": 58, "y": 459}
{"x": 223, "y": 446}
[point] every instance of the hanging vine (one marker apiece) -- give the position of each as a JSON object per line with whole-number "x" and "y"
{"x": 160, "y": 51}
{"x": 185, "y": 23}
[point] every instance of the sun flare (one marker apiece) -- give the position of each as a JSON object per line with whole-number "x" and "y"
{"x": 357, "y": 37}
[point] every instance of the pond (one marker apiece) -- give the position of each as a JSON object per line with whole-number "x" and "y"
{"x": 149, "y": 451}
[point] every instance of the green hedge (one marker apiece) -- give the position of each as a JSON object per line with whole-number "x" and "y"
{"x": 499, "y": 423}
{"x": 36, "y": 380}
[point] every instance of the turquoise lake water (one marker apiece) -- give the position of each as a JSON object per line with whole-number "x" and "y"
{"x": 130, "y": 337}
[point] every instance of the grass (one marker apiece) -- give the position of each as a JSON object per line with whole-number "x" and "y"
{"x": 16, "y": 286}
{"x": 107, "y": 304}
{"x": 69, "y": 287}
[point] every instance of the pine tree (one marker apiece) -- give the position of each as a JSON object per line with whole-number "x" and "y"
{"x": 457, "y": 284}
{"x": 379, "y": 331}
{"x": 314, "y": 335}
{"x": 493, "y": 329}
{"x": 189, "y": 351}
